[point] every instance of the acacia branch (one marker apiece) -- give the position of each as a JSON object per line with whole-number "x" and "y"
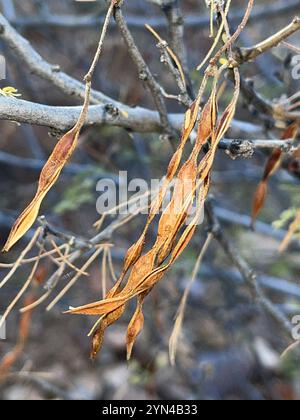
{"x": 64, "y": 117}
{"x": 144, "y": 72}
{"x": 194, "y": 20}
{"x": 246, "y": 148}
{"x": 137, "y": 119}
{"x": 176, "y": 26}
{"x": 40, "y": 67}
{"x": 251, "y": 53}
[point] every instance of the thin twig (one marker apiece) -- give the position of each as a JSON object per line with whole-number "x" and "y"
{"x": 181, "y": 310}
{"x": 251, "y": 53}
{"x": 21, "y": 293}
{"x": 45, "y": 296}
{"x": 19, "y": 261}
{"x": 74, "y": 279}
{"x": 247, "y": 273}
{"x": 236, "y": 35}
{"x": 144, "y": 72}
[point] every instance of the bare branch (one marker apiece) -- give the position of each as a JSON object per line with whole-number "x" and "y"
{"x": 246, "y": 148}
{"x": 144, "y": 72}
{"x": 247, "y": 273}
{"x": 42, "y": 68}
{"x": 194, "y": 20}
{"x": 137, "y": 119}
{"x": 250, "y": 54}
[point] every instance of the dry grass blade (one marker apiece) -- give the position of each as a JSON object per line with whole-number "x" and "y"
{"x": 45, "y": 296}
{"x": 290, "y": 349}
{"x": 228, "y": 44}
{"x": 111, "y": 266}
{"x": 217, "y": 38}
{"x": 104, "y": 272}
{"x": 10, "y": 358}
{"x": 75, "y": 278}
{"x": 21, "y": 293}
{"x": 120, "y": 207}
{"x": 291, "y": 47}
{"x": 33, "y": 259}
{"x": 294, "y": 227}
{"x": 64, "y": 259}
{"x": 173, "y": 343}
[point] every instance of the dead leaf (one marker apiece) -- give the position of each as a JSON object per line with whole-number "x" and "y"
{"x": 272, "y": 165}
{"x": 105, "y": 322}
{"x": 136, "y": 324}
{"x": 49, "y": 175}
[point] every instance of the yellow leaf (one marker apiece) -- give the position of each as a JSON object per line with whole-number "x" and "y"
{"x": 223, "y": 61}
{"x": 125, "y": 114}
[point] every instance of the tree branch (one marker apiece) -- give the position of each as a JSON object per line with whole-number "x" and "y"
{"x": 250, "y": 54}
{"x": 249, "y": 276}
{"x": 64, "y": 117}
{"x": 137, "y": 119}
{"x": 246, "y": 148}
{"x": 136, "y": 22}
{"x": 144, "y": 72}
{"x": 40, "y": 67}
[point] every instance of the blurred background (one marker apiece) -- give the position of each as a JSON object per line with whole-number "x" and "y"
{"x": 229, "y": 348}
